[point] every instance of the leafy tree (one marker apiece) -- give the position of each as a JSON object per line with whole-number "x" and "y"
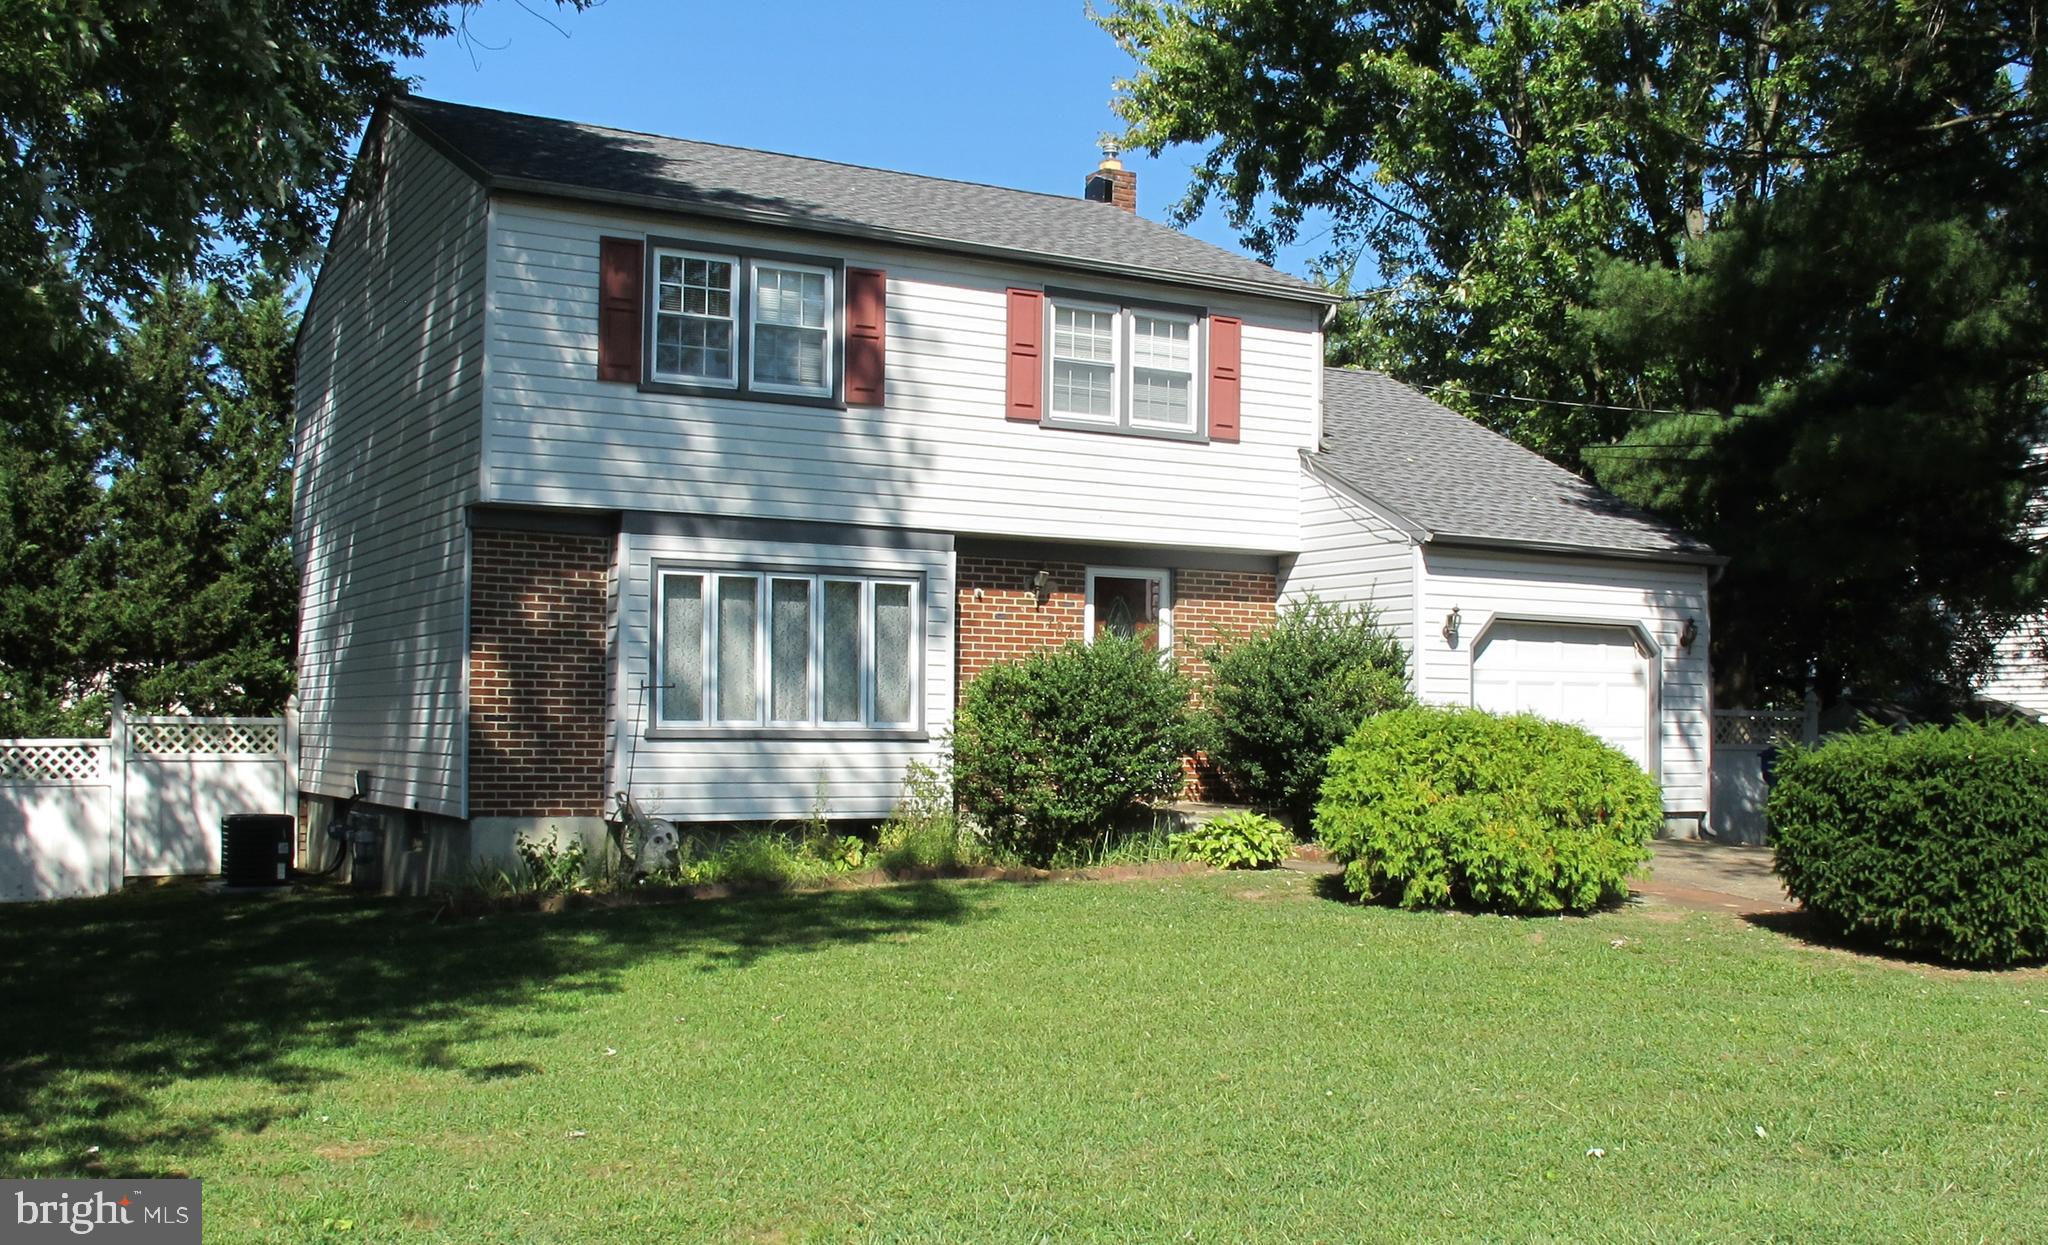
{"x": 1789, "y": 253}
{"x": 143, "y": 138}
{"x": 51, "y": 512}
{"x": 147, "y": 137}
{"x": 143, "y": 531}
{"x": 200, "y": 612}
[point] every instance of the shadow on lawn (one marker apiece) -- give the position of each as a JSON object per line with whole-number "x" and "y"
{"x": 1800, "y": 926}
{"x": 108, "y": 1000}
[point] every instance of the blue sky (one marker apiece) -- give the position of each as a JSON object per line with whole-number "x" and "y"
{"x": 1013, "y": 93}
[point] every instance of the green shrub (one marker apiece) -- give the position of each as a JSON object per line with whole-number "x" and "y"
{"x": 551, "y": 867}
{"x": 1051, "y": 751}
{"x": 768, "y": 858}
{"x": 922, "y": 831}
{"x": 1280, "y": 699}
{"x": 1931, "y": 841}
{"x": 1431, "y": 807}
{"x": 1236, "y": 840}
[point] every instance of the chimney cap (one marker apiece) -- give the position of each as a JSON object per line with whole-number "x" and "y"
{"x": 1111, "y": 149}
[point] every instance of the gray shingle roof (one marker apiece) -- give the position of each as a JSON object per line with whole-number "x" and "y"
{"x": 1454, "y": 481}
{"x": 518, "y": 152}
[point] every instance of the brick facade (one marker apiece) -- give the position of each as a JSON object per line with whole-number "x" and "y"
{"x": 1213, "y": 606}
{"x": 537, "y": 673}
{"x": 1001, "y": 618}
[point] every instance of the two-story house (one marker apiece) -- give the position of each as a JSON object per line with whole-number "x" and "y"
{"x": 628, "y": 463}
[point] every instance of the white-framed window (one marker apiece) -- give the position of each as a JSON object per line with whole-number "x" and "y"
{"x": 1132, "y": 601}
{"x": 1129, "y": 368}
{"x": 758, "y": 325}
{"x": 696, "y": 317}
{"x": 751, "y": 649}
{"x": 1163, "y": 371}
{"x": 1084, "y": 361}
{"x": 791, "y": 346}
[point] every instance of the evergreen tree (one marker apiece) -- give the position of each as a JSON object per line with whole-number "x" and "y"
{"x": 1773, "y": 268}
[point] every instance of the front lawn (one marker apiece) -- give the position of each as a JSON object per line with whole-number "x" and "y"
{"x": 1211, "y": 1057}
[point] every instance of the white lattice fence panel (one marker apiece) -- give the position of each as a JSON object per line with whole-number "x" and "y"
{"x": 170, "y": 737}
{"x": 1749, "y": 728}
{"x": 53, "y": 760}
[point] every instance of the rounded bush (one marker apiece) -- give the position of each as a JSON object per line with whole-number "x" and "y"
{"x": 1049, "y": 751}
{"x": 1430, "y": 807}
{"x": 1932, "y": 841}
{"x": 1235, "y": 840}
{"x": 1279, "y": 699}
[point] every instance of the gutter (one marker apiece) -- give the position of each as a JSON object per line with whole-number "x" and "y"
{"x": 1606, "y": 552}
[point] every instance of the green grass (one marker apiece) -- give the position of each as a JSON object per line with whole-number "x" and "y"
{"x": 1208, "y": 1057}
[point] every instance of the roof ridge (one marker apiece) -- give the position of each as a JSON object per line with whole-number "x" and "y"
{"x": 788, "y": 155}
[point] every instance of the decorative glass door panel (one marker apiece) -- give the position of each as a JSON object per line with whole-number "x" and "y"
{"x": 1128, "y": 606}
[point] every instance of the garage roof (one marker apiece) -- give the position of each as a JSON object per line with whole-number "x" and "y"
{"x": 1451, "y": 481}
{"x": 542, "y": 155}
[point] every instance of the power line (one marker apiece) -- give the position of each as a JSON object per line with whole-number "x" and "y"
{"x": 1583, "y": 406}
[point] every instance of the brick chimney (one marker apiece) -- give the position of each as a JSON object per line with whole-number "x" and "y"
{"x": 1111, "y": 182}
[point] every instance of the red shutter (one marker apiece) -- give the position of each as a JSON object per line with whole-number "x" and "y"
{"x": 1226, "y": 336}
{"x": 1027, "y": 365}
{"x": 867, "y": 336}
{"x": 619, "y": 264}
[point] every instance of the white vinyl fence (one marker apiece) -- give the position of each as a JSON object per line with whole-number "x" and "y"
{"x": 1741, "y": 737}
{"x": 77, "y": 816}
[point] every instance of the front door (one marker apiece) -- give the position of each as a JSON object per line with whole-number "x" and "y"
{"x": 1130, "y": 603}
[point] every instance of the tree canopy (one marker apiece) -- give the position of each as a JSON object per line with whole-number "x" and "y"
{"x": 1771, "y": 268}
{"x": 168, "y": 168}
{"x": 144, "y": 531}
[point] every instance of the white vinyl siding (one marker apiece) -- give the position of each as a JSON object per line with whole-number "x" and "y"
{"x": 2019, "y": 672}
{"x": 767, "y": 774}
{"x": 941, "y": 456}
{"x": 390, "y": 384}
{"x": 2019, "y": 675}
{"x": 1484, "y": 586}
{"x": 1350, "y": 555}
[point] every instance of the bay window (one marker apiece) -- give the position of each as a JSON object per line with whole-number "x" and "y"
{"x": 763, "y": 649}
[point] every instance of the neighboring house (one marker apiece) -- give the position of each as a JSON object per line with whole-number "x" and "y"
{"x": 629, "y": 463}
{"x": 2019, "y": 676}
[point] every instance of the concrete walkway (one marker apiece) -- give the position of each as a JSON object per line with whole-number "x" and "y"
{"x": 1714, "y": 877}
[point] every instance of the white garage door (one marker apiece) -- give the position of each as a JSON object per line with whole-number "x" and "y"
{"x": 1594, "y": 676}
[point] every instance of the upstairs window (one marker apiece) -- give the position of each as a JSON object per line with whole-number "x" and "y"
{"x": 745, "y": 324}
{"x": 694, "y": 317}
{"x": 1128, "y": 369}
{"x": 792, "y": 329}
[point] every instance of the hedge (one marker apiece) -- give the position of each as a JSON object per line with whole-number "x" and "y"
{"x": 1931, "y": 841}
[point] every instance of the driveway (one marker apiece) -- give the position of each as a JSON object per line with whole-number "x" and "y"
{"x": 1714, "y": 877}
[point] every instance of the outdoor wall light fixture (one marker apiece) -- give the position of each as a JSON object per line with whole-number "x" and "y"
{"x": 1689, "y": 634}
{"x": 1041, "y": 585}
{"x": 1451, "y": 627}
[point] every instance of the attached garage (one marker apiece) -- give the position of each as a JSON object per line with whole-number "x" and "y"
{"x": 1595, "y": 677}
{"x": 1517, "y": 586}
